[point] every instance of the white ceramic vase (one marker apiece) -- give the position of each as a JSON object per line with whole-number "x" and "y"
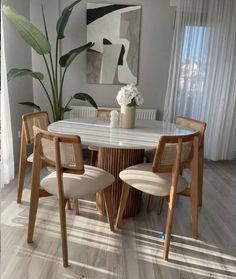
{"x": 127, "y": 117}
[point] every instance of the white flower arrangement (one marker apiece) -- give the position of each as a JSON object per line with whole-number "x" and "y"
{"x": 129, "y": 96}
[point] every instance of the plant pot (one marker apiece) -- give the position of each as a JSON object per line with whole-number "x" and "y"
{"x": 127, "y": 117}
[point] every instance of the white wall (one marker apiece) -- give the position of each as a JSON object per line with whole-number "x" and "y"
{"x": 156, "y": 37}
{"x": 155, "y": 46}
{"x": 18, "y": 55}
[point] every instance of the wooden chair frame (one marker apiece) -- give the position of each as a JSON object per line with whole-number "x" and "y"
{"x": 189, "y": 123}
{"x": 175, "y": 169}
{"x": 26, "y": 140}
{"x": 36, "y": 192}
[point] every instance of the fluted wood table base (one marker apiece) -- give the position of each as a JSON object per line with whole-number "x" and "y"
{"x": 115, "y": 160}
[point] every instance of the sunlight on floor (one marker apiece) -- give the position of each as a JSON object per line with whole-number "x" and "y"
{"x": 90, "y": 230}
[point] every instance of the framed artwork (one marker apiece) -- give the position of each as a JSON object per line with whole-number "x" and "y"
{"x": 115, "y": 30}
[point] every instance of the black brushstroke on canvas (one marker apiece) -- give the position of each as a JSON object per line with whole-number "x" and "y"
{"x": 122, "y": 51}
{"x": 94, "y": 14}
{"x": 121, "y": 57}
{"x": 106, "y": 42}
{"x": 92, "y": 50}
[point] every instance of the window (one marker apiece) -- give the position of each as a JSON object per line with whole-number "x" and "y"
{"x": 192, "y": 68}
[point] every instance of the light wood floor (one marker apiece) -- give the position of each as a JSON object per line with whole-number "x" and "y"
{"x": 135, "y": 252}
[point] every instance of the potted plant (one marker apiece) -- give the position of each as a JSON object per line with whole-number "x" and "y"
{"x": 40, "y": 43}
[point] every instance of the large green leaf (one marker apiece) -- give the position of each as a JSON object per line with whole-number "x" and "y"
{"x": 68, "y": 58}
{"x": 31, "y": 104}
{"x": 85, "y": 97}
{"x": 13, "y": 73}
{"x": 32, "y": 35}
{"x": 63, "y": 19}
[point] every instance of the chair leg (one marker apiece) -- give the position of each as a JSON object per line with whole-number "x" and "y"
{"x": 194, "y": 219}
{"x": 194, "y": 205}
{"x": 109, "y": 207}
{"x": 170, "y": 214}
{"x": 123, "y": 200}
{"x": 21, "y": 178}
{"x": 68, "y": 204}
{"x": 22, "y": 166}
{"x": 149, "y": 203}
{"x": 93, "y": 159}
{"x": 200, "y": 176}
{"x": 33, "y": 210}
{"x": 160, "y": 206}
{"x": 35, "y": 191}
{"x": 63, "y": 231}
{"x": 76, "y": 205}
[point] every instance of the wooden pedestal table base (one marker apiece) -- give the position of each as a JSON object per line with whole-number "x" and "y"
{"x": 114, "y": 161}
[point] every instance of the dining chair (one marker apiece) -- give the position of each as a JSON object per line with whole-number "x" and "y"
{"x": 101, "y": 114}
{"x": 41, "y": 120}
{"x": 197, "y": 126}
{"x": 162, "y": 178}
{"x": 71, "y": 179}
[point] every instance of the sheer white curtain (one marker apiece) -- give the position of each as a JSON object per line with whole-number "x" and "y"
{"x": 7, "y": 158}
{"x": 202, "y": 75}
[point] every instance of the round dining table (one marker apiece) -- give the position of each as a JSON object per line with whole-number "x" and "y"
{"x": 118, "y": 149}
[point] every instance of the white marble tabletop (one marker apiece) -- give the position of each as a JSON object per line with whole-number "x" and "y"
{"x": 97, "y": 132}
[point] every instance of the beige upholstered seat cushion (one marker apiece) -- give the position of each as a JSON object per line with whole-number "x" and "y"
{"x": 74, "y": 185}
{"x": 142, "y": 178}
{"x": 30, "y": 158}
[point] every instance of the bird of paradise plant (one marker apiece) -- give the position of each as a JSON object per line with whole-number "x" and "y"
{"x": 40, "y": 43}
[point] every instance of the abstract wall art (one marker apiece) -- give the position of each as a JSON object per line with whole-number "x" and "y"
{"x": 115, "y": 30}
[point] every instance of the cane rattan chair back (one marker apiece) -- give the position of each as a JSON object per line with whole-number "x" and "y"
{"x": 198, "y": 126}
{"x": 69, "y": 149}
{"x": 29, "y": 120}
{"x": 194, "y": 125}
{"x": 41, "y": 120}
{"x": 166, "y": 152}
